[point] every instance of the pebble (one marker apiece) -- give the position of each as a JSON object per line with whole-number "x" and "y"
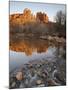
{"x": 38, "y": 75}
{"x": 19, "y": 76}
{"x": 13, "y": 84}
{"x": 41, "y": 85}
{"x": 44, "y": 76}
{"x": 30, "y": 65}
{"x": 39, "y": 82}
{"x": 49, "y": 69}
{"x": 38, "y": 65}
{"x": 45, "y": 72}
{"x": 52, "y": 83}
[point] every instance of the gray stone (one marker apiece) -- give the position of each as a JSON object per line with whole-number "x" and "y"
{"x": 41, "y": 85}
{"x": 13, "y": 84}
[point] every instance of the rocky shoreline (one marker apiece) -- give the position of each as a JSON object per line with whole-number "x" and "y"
{"x": 41, "y": 73}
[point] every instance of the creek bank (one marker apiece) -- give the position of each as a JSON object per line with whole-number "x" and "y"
{"x": 39, "y": 74}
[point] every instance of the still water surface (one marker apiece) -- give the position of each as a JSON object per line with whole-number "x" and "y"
{"x": 29, "y": 50}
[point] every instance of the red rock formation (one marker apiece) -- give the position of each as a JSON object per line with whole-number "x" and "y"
{"x": 17, "y": 20}
{"x": 42, "y": 17}
{"x": 27, "y": 16}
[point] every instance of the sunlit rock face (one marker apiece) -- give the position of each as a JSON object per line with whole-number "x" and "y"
{"x": 27, "y": 16}
{"x": 29, "y": 46}
{"x": 42, "y": 17}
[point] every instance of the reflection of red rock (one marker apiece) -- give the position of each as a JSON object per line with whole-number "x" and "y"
{"x": 42, "y": 49}
{"x": 29, "y": 46}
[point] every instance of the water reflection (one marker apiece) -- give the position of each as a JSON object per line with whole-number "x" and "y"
{"x": 26, "y": 50}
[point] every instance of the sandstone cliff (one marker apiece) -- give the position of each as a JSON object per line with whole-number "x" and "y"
{"x": 27, "y": 16}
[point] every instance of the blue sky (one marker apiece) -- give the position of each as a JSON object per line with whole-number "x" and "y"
{"x": 49, "y": 9}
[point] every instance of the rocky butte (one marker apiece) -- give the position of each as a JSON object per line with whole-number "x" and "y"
{"x": 27, "y": 16}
